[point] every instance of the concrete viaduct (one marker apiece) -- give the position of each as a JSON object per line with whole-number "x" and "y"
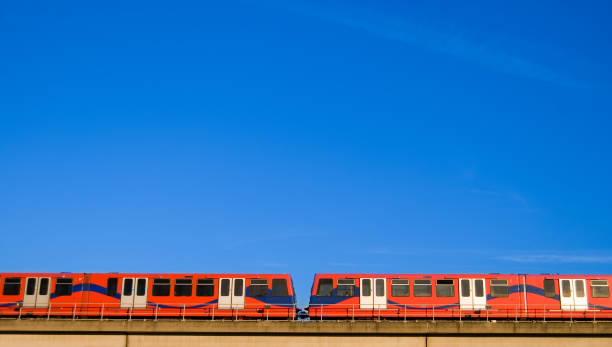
{"x": 138, "y": 333}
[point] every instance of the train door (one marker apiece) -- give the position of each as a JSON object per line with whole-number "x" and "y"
{"x": 573, "y": 295}
{"x": 37, "y": 292}
{"x": 134, "y": 293}
{"x": 472, "y": 294}
{"x": 231, "y": 293}
{"x": 373, "y": 293}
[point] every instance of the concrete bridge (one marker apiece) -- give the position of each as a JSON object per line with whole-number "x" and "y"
{"x": 124, "y": 333}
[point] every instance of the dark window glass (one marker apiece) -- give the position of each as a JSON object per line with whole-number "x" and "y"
{"x": 326, "y": 287}
{"x": 111, "y": 286}
{"x": 238, "y": 286}
{"x": 380, "y": 287}
{"x": 205, "y": 287}
{"x": 422, "y": 288}
{"x": 465, "y": 288}
{"x": 63, "y": 287}
{"x": 600, "y": 289}
{"x": 479, "y": 288}
{"x": 43, "y": 288}
{"x": 225, "y": 287}
{"x": 499, "y": 288}
{"x": 366, "y": 287}
{"x": 549, "y": 288}
{"x": 128, "y": 285}
{"x": 161, "y": 287}
{"x": 400, "y": 287}
{"x": 31, "y": 286}
{"x": 259, "y": 287}
{"x": 141, "y": 286}
{"x": 579, "y": 288}
{"x": 12, "y": 286}
{"x": 182, "y": 287}
{"x": 346, "y": 287}
{"x": 445, "y": 288}
{"x": 279, "y": 287}
{"x": 566, "y": 290}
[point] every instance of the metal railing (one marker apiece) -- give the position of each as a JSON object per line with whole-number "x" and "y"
{"x": 155, "y": 311}
{"x": 400, "y": 312}
{"x": 432, "y": 312}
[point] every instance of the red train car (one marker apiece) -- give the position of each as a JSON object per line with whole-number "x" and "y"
{"x": 460, "y": 296}
{"x": 236, "y": 296}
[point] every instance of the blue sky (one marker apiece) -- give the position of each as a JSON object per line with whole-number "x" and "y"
{"x": 303, "y": 137}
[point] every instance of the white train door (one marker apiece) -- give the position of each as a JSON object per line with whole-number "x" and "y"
{"x": 127, "y": 293}
{"x": 37, "y": 292}
{"x": 573, "y": 295}
{"x": 472, "y": 294}
{"x": 373, "y": 293}
{"x": 366, "y": 297}
{"x": 231, "y": 293}
{"x": 134, "y": 293}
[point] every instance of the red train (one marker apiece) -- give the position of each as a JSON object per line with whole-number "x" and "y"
{"x": 494, "y": 296}
{"x": 236, "y": 296}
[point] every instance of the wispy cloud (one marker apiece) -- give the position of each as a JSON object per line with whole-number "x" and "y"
{"x": 511, "y": 196}
{"x": 556, "y": 258}
{"x": 427, "y": 36}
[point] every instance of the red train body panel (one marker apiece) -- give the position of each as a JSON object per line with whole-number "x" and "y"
{"x": 148, "y": 295}
{"x": 482, "y": 296}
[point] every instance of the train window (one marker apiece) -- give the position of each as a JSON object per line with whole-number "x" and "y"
{"x": 422, "y": 288}
{"x": 259, "y": 287}
{"x": 366, "y": 287}
{"x": 600, "y": 289}
{"x": 499, "y": 288}
{"x": 128, "y": 286}
{"x": 31, "y": 286}
{"x": 238, "y": 286}
{"x": 12, "y": 286}
{"x": 549, "y": 288}
{"x": 279, "y": 287}
{"x": 346, "y": 287}
{"x": 63, "y": 287}
{"x": 141, "y": 286}
{"x": 161, "y": 287}
{"x": 566, "y": 291}
{"x": 44, "y": 287}
{"x": 111, "y": 286}
{"x": 465, "y": 288}
{"x": 579, "y": 288}
{"x": 205, "y": 287}
{"x": 479, "y": 288}
{"x": 326, "y": 287}
{"x": 445, "y": 288}
{"x": 225, "y": 287}
{"x": 182, "y": 287}
{"x": 400, "y": 287}
{"x": 380, "y": 287}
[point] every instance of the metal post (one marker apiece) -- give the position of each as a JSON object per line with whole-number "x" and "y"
{"x": 433, "y": 313}
{"x": 49, "y": 311}
{"x": 19, "y": 317}
{"x": 571, "y": 315}
{"x": 515, "y": 313}
{"x": 102, "y": 312}
{"x": 267, "y": 313}
{"x": 213, "y": 313}
{"x": 353, "y": 312}
{"x": 156, "y": 310}
{"x": 183, "y": 311}
{"x": 74, "y": 312}
{"x": 130, "y": 313}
